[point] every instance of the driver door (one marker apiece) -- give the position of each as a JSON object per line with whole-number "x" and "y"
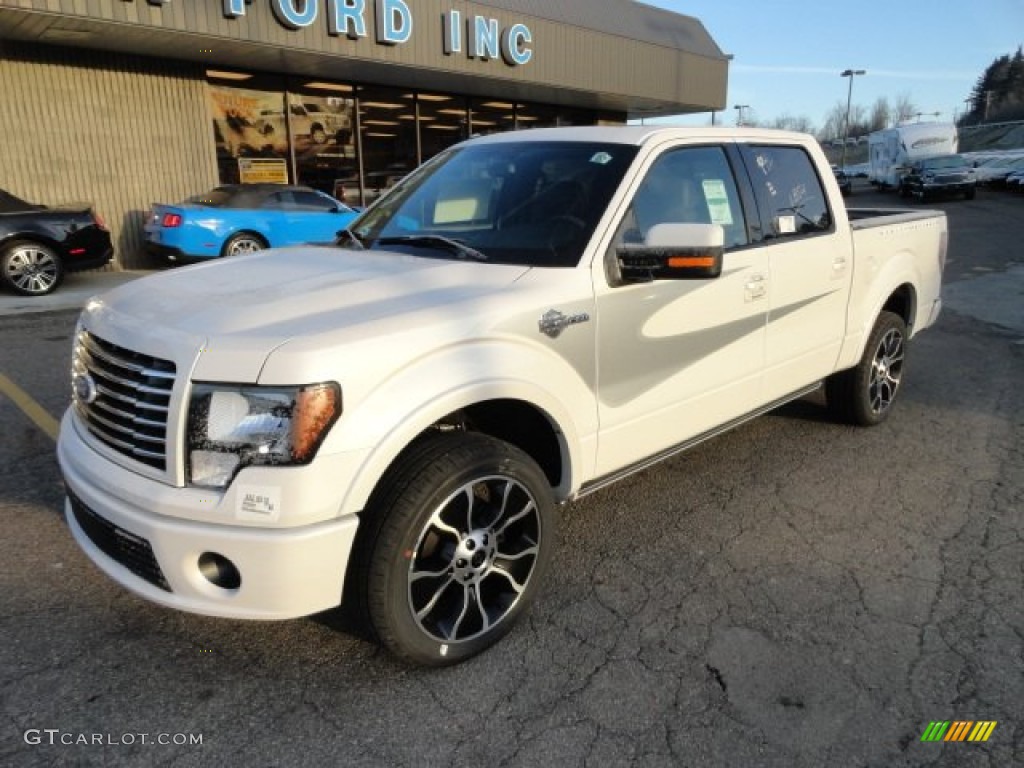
{"x": 677, "y": 358}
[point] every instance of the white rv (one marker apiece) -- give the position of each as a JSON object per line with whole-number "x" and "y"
{"x": 892, "y": 149}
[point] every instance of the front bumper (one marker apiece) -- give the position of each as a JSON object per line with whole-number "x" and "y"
{"x": 284, "y": 572}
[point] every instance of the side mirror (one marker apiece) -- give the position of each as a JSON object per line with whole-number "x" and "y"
{"x": 674, "y": 252}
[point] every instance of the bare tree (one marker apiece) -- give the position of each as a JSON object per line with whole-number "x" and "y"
{"x": 904, "y": 109}
{"x": 835, "y": 121}
{"x": 788, "y": 122}
{"x": 880, "y": 114}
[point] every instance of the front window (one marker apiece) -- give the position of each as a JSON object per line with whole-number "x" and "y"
{"x": 529, "y": 203}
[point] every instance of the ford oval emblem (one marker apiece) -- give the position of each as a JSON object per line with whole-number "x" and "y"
{"x": 83, "y": 388}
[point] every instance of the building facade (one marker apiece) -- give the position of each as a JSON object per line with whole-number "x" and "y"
{"x": 123, "y": 103}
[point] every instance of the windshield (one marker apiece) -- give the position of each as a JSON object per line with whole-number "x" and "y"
{"x": 530, "y": 203}
{"x": 950, "y": 161}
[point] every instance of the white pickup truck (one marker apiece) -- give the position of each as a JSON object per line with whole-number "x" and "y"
{"x": 392, "y": 422}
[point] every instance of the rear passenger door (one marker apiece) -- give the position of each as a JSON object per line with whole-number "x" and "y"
{"x": 810, "y": 267}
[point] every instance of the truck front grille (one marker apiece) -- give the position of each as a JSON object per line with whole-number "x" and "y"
{"x": 123, "y": 397}
{"x": 131, "y": 551}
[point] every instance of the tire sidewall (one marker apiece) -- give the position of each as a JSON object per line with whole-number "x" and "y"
{"x": 388, "y": 600}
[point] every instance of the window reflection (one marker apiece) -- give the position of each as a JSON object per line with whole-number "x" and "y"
{"x": 321, "y": 119}
{"x": 309, "y": 133}
{"x": 387, "y": 125}
{"x": 443, "y": 122}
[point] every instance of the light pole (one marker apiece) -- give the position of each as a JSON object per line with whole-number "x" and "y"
{"x": 850, "y": 73}
{"x": 739, "y": 112}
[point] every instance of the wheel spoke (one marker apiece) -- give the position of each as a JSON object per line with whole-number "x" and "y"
{"x": 433, "y": 600}
{"x": 529, "y": 507}
{"x": 519, "y": 555}
{"x": 453, "y": 633}
{"x": 420, "y": 575}
{"x": 498, "y": 570}
{"x": 474, "y": 594}
{"x": 437, "y": 522}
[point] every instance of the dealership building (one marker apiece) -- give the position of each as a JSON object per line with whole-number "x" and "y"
{"x": 123, "y": 103}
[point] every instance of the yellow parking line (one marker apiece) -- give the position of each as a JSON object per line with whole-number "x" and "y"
{"x": 30, "y": 407}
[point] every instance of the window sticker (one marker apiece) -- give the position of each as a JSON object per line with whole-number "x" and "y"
{"x": 786, "y": 225}
{"x": 601, "y": 158}
{"x": 718, "y": 202}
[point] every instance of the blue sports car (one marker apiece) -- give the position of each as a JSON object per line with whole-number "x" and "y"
{"x": 235, "y": 219}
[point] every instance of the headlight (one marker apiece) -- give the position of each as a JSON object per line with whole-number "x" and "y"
{"x": 231, "y": 427}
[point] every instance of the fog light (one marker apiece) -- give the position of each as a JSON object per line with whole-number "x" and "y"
{"x": 219, "y": 571}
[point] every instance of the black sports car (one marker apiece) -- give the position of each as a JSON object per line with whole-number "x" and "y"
{"x": 38, "y": 245}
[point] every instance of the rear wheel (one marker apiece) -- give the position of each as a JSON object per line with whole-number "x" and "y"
{"x": 243, "y": 243}
{"x": 31, "y": 269}
{"x": 455, "y": 547}
{"x": 969, "y": 193}
{"x": 865, "y": 394}
{"x": 318, "y": 134}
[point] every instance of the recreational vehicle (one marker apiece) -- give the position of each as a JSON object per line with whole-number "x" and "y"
{"x": 893, "y": 149}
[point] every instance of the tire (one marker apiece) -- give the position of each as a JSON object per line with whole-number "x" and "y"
{"x": 30, "y": 269}
{"x": 318, "y": 134}
{"x": 454, "y": 547}
{"x": 243, "y": 243}
{"x": 864, "y": 395}
{"x": 969, "y": 193}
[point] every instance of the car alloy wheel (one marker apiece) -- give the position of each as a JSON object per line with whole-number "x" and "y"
{"x": 474, "y": 558}
{"x": 31, "y": 270}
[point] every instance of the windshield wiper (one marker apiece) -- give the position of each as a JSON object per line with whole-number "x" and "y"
{"x": 439, "y": 241}
{"x": 352, "y": 238}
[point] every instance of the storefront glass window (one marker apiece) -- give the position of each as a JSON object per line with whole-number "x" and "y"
{"x": 536, "y": 116}
{"x": 244, "y": 110}
{"x": 387, "y": 125}
{"x": 321, "y": 117}
{"x": 443, "y": 122}
{"x": 491, "y": 116}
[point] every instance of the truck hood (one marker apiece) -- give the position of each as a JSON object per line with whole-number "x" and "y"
{"x": 238, "y": 311}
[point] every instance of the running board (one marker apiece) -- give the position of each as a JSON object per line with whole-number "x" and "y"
{"x": 602, "y": 482}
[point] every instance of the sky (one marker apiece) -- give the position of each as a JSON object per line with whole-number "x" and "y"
{"x": 787, "y": 54}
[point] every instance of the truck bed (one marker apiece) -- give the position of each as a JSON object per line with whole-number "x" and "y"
{"x": 867, "y": 218}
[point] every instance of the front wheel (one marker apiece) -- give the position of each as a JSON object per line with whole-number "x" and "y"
{"x": 865, "y": 394}
{"x": 457, "y": 546}
{"x": 31, "y": 269}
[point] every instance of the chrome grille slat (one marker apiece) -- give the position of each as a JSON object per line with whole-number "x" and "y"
{"x": 133, "y": 391}
{"x": 125, "y": 399}
{"x": 134, "y": 434}
{"x": 92, "y": 349}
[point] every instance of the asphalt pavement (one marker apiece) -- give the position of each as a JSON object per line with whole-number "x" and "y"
{"x": 73, "y": 293}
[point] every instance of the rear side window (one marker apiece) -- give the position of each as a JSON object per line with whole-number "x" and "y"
{"x": 313, "y": 201}
{"x": 790, "y": 194}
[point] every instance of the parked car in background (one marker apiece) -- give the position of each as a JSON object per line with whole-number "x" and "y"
{"x": 38, "y": 245}
{"x": 997, "y": 170}
{"x": 844, "y": 180}
{"x": 235, "y": 219}
{"x": 934, "y": 176}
